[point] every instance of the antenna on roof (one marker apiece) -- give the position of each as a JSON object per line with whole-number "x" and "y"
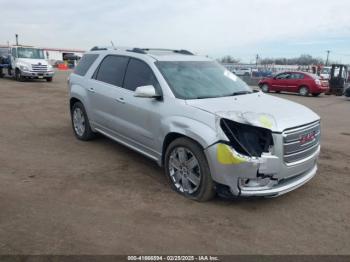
{"x": 113, "y": 45}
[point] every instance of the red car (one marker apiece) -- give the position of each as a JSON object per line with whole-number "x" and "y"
{"x": 296, "y": 82}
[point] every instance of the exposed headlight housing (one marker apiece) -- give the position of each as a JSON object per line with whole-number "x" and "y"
{"x": 246, "y": 139}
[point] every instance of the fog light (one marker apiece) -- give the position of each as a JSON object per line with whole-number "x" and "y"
{"x": 256, "y": 182}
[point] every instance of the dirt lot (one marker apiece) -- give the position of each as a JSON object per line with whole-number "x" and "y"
{"x": 62, "y": 196}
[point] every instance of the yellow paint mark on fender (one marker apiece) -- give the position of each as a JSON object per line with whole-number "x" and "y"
{"x": 265, "y": 122}
{"x": 227, "y": 157}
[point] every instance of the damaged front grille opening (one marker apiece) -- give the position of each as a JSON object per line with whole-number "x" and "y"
{"x": 247, "y": 140}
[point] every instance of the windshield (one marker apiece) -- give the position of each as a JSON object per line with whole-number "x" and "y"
{"x": 31, "y": 53}
{"x": 325, "y": 71}
{"x": 201, "y": 79}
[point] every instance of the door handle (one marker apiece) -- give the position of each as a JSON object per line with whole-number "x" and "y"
{"x": 91, "y": 89}
{"x": 120, "y": 100}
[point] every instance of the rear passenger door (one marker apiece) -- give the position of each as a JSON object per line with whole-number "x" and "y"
{"x": 105, "y": 92}
{"x": 294, "y": 82}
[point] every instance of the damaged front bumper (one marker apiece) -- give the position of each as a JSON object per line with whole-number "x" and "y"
{"x": 265, "y": 176}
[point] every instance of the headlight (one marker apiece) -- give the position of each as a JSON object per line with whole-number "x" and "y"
{"x": 24, "y": 68}
{"x": 49, "y": 67}
{"x": 246, "y": 139}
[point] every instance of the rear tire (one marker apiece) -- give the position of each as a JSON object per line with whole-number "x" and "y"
{"x": 80, "y": 123}
{"x": 188, "y": 171}
{"x": 265, "y": 88}
{"x": 304, "y": 91}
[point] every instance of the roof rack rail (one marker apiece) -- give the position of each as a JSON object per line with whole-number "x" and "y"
{"x": 146, "y": 50}
{"x": 100, "y": 48}
{"x": 137, "y": 50}
{"x": 96, "y": 48}
{"x": 184, "y": 52}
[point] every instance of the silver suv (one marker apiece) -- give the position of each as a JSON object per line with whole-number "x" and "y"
{"x": 205, "y": 126}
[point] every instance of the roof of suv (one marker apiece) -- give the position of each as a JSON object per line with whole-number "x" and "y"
{"x": 156, "y": 54}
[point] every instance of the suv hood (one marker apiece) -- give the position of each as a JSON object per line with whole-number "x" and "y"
{"x": 258, "y": 109}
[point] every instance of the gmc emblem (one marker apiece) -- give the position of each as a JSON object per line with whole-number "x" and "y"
{"x": 307, "y": 138}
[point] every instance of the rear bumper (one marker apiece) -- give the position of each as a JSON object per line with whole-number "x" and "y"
{"x": 267, "y": 176}
{"x": 320, "y": 89}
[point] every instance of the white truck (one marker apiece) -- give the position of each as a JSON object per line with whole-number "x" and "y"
{"x": 26, "y": 62}
{"x": 325, "y": 72}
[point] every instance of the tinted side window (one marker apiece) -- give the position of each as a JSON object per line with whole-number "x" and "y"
{"x": 139, "y": 74}
{"x": 85, "y": 63}
{"x": 297, "y": 76}
{"x": 282, "y": 76}
{"x": 112, "y": 70}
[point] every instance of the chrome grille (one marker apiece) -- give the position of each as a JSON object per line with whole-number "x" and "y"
{"x": 299, "y": 143}
{"x": 39, "y": 68}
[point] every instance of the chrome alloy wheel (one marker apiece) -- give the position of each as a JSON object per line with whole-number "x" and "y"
{"x": 184, "y": 170}
{"x": 304, "y": 91}
{"x": 79, "y": 121}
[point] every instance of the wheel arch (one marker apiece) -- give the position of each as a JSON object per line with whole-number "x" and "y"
{"x": 260, "y": 84}
{"x": 304, "y": 85}
{"x": 169, "y": 138}
{"x": 72, "y": 101}
{"x": 196, "y": 131}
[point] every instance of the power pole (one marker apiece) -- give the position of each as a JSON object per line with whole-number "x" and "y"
{"x": 328, "y": 51}
{"x": 16, "y": 39}
{"x": 257, "y": 60}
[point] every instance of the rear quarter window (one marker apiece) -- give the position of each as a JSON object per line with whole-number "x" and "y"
{"x": 85, "y": 63}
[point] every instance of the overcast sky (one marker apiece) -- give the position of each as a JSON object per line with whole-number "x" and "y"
{"x": 271, "y": 28}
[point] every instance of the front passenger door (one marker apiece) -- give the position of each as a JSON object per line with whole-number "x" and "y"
{"x": 140, "y": 116}
{"x": 280, "y": 82}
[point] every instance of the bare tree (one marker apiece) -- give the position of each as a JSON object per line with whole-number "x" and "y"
{"x": 229, "y": 60}
{"x": 301, "y": 60}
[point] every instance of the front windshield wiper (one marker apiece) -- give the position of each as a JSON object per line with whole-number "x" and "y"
{"x": 238, "y": 93}
{"x": 204, "y": 97}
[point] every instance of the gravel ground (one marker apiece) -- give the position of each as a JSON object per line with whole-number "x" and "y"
{"x": 59, "y": 195}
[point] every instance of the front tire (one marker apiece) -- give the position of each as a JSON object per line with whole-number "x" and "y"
{"x": 18, "y": 76}
{"x": 80, "y": 123}
{"x": 265, "y": 88}
{"x": 49, "y": 79}
{"x": 187, "y": 170}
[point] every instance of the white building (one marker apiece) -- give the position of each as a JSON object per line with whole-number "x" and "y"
{"x": 62, "y": 54}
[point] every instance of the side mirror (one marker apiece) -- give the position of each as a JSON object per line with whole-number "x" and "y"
{"x": 146, "y": 92}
